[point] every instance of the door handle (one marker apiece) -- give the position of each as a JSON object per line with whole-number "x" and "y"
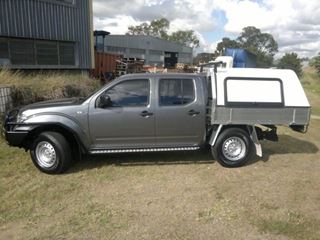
{"x": 146, "y": 114}
{"x": 193, "y": 113}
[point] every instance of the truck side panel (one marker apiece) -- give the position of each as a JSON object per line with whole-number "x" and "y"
{"x": 269, "y": 116}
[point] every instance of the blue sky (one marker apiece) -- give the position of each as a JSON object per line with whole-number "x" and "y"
{"x": 295, "y": 24}
{"x": 218, "y": 32}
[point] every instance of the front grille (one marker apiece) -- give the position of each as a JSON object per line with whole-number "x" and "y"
{"x": 11, "y": 117}
{"x": 10, "y": 120}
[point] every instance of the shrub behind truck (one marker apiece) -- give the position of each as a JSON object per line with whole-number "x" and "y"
{"x": 227, "y": 110}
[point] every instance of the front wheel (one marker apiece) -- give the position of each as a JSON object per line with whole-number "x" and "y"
{"x": 50, "y": 153}
{"x": 233, "y": 148}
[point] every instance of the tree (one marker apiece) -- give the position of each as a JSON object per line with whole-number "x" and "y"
{"x": 315, "y": 62}
{"x": 291, "y": 61}
{"x": 252, "y": 39}
{"x": 159, "y": 28}
{"x": 187, "y": 38}
{"x": 261, "y": 44}
{"x": 226, "y": 43}
{"x": 204, "y": 58}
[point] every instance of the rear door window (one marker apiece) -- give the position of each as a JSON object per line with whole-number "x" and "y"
{"x": 174, "y": 92}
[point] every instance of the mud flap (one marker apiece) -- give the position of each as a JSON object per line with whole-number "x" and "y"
{"x": 255, "y": 140}
{"x": 214, "y": 135}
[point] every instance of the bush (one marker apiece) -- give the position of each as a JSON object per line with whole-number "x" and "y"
{"x": 291, "y": 61}
{"x": 315, "y": 62}
{"x": 35, "y": 87}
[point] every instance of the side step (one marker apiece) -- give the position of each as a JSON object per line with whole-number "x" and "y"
{"x": 98, "y": 151}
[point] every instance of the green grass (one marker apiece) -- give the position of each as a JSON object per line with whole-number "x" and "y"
{"x": 56, "y": 206}
{"x": 311, "y": 81}
{"x": 221, "y": 209}
{"x": 294, "y": 226}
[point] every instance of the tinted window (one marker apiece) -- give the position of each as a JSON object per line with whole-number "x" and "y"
{"x": 4, "y": 50}
{"x": 22, "y": 52}
{"x": 37, "y": 52}
{"x": 188, "y": 92}
{"x": 176, "y": 91}
{"x": 66, "y": 52}
{"x": 131, "y": 93}
{"x": 47, "y": 53}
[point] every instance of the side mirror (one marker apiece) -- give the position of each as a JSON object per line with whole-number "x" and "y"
{"x": 104, "y": 101}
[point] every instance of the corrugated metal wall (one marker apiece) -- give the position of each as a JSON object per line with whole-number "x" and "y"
{"x": 45, "y": 19}
{"x": 124, "y": 43}
{"x": 145, "y": 42}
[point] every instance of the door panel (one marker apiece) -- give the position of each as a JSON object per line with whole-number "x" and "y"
{"x": 180, "y": 115}
{"x": 129, "y": 122}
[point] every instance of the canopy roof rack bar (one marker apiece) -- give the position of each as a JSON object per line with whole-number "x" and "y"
{"x": 214, "y": 64}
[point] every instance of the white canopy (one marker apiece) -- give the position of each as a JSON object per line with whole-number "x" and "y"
{"x": 254, "y": 85}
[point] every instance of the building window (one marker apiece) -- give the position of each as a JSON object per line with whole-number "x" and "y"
{"x": 66, "y": 53}
{"x": 155, "y": 52}
{"x": 17, "y": 52}
{"x": 4, "y": 51}
{"x": 47, "y": 53}
{"x": 170, "y": 55}
{"x": 22, "y": 52}
{"x": 67, "y": 2}
{"x": 119, "y": 50}
{"x": 174, "y": 92}
{"x": 137, "y": 51}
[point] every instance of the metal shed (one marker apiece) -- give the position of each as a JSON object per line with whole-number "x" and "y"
{"x": 46, "y": 34}
{"x": 154, "y": 51}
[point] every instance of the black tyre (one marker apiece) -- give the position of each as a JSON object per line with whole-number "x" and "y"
{"x": 233, "y": 148}
{"x": 51, "y": 153}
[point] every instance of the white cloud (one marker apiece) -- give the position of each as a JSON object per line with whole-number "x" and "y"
{"x": 112, "y": 8}
{"x": 117, "y": 25}
{"x": 205, "y": 46}
{"x": 295, "y": 24}
{"x": 240, "y": 14}
{"x": 183, "y": 14}
{"x": 210, "y": 47}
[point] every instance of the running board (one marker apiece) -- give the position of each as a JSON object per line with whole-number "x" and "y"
{"x": 144, "y": 150}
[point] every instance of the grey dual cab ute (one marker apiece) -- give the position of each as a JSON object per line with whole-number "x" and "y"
{"x": 151, "y": 113}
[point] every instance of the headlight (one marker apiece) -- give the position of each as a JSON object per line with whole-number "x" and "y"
{"x": 21, "y": 118}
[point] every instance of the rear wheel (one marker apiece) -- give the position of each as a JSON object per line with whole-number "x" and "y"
{"x": 51, "y": 153}
{"x": 233, "y": 148}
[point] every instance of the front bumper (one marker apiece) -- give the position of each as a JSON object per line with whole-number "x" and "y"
{"x": 13, "y": 133}
{"x": 15, "y": 138}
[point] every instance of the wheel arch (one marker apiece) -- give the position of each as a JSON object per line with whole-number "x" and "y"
{"x": 70, "y": 135}
{"x": 250, "y": 129}
{"x": 218, "y": 129}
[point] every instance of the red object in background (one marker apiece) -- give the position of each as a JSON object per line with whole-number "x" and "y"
{"x": 105, "y": 65}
